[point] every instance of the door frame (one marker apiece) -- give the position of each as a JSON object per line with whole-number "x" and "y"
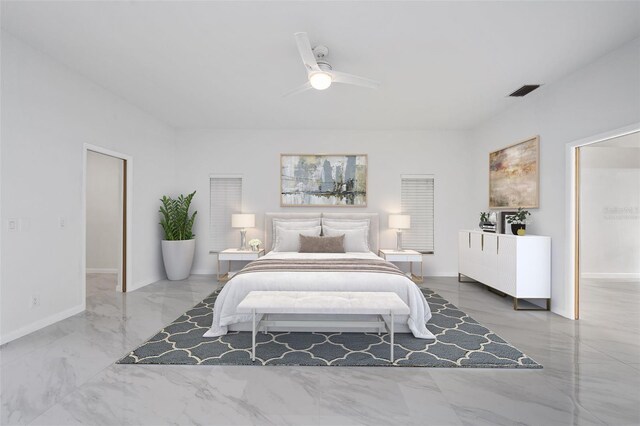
{"x": 126, "y": 270}
{"x": 572, "y": 229}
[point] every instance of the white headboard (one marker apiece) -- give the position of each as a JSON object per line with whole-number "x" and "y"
{"x": 374, "y": 224}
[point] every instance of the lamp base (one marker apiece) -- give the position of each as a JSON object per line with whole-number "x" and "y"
{"x": 399, "y": 241}
{"x": 243, "y": 240}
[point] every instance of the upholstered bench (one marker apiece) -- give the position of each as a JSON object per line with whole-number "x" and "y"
{"x": 340, "y": 304}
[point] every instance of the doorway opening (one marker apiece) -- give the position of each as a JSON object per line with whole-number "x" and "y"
{"x": 106, "y": 197}
{"x": 607, "y": 230}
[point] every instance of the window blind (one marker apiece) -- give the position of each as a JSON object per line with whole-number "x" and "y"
{"x": 225, "y": 199}
{"x": 417, "y": 200}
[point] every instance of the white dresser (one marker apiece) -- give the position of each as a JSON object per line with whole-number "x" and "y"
{"x": 519, "y": 266}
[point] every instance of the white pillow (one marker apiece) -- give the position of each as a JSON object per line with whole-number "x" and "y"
{"x": 292, "y": 224}
{"x": 289, "y": 239}
{"x": 355, "y": 240}
{"x": 345, "y": 223}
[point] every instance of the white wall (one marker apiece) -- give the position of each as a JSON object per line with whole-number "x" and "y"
{"x": 104, "y": 212}
{"x": 610, "y": 212}
{"x": 256, "y": 155}
{"x": 602, "y": 96}
{"x": 48, "y": 113}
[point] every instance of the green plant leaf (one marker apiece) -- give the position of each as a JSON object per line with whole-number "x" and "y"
{"x": 174, "y": 217}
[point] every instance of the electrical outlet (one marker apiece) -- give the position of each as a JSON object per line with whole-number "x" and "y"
{"x": 35, "y": 300}
{"x": 62, "y": 222}
{"x": 13, "y": 224}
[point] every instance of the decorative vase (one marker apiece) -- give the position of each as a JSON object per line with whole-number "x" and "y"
{"x": 178, "y": 258}
{"x": 516, "y": 227}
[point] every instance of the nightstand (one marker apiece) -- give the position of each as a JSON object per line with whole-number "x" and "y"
{"x": 230, "y": 255}
{"x": 410, "y": 256}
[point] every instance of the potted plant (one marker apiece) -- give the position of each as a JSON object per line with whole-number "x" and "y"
{"x": 178, "y": 245}
{"x": 484, "y": 219}
{"x": 488, "y": 221}
{"x": 518, "y": 221}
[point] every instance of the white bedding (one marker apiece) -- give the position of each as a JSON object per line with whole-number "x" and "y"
{"x": 224, "y": 311}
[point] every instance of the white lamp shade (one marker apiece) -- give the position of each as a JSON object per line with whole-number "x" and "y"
{"x": 243, "y": 220}
{"x": 399, "y": 221}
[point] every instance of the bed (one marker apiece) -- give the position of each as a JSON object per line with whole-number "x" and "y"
{"x": 350, "y": 271}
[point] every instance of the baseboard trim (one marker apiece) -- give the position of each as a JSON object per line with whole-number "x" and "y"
{"x": 612, "y": 276}
{"x": 45, "y": 322}
{"x": 102, "y": 270}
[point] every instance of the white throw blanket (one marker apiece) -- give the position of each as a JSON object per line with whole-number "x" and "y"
{"x": 224, "y": 311}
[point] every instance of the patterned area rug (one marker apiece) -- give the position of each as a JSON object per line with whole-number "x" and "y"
{"x": 460, "y": 342}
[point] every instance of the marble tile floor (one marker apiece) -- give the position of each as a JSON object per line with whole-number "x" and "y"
{"x": 65, "y": 374}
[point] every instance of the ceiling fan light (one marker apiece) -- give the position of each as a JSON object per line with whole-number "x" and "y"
{"x": 320, "y": 80}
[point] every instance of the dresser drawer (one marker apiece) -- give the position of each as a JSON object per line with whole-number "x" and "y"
{"x": 396, "y": 258}
{"x": 253, "y": 256}
{"x": 238, "y": 256}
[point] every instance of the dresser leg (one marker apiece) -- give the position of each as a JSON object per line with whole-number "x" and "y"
{"x": 516, "y": 307}
{"x": 471, "y": 280}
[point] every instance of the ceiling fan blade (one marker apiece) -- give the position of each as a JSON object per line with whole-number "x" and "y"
{"x": 304, "y": 47}
{"x": 298, "y": 89}
{"x": 342, "y": 77}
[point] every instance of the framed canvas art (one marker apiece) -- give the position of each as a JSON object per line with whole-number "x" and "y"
{"x": 514, "y": 176}
{"x": 337, "y": 180}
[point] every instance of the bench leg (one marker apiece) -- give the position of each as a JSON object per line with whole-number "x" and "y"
{"x": 391, "y": 336}
{"x": 253, "y": 337}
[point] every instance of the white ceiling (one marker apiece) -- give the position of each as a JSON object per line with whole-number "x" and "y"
{"x": 445, "y": 65}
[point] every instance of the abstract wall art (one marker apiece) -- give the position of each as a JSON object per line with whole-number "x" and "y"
{"x": 323, "y": 180}
{"x": 514, "y": 176}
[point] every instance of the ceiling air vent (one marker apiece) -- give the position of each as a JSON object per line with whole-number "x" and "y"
{"x": 524, "y": 90}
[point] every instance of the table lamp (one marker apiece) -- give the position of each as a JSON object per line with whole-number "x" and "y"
{"x": 399, "y": 222}
{"x": 243, "y": 221}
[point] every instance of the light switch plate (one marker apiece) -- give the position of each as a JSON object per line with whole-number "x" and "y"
{"x": 13, "y": 224}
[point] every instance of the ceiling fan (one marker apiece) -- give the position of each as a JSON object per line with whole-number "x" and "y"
{"x": 320, "y": 73}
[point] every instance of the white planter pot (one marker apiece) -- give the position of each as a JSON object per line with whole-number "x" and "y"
{"x": 178, "y": 258}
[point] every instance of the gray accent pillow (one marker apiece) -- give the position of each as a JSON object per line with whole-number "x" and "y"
{"x": 322, "y": 244}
